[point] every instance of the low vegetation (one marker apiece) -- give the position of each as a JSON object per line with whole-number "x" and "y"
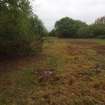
{"x": 71, "y": 72}
{"x": 65, "y": 72}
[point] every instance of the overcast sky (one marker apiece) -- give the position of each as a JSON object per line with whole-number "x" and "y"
{"x": 50, "y": 11}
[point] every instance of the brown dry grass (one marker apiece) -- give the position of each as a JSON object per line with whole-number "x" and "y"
{"x": 68, "y": 72}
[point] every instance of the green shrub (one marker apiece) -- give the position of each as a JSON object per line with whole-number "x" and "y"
{"x": 20, "y": 31}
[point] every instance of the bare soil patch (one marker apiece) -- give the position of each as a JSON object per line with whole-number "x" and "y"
{"x": 100, "y": 49}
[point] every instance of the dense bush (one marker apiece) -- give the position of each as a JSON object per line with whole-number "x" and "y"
{"x": 85, "y": 32}
{"x": 52, "y": 33}
{"x": 98, "y": 30}
{"x": 19, "y": 29}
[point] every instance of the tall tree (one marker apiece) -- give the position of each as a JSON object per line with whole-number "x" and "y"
{"x": 67, "y": 27}
{"x": 64, "y": 27}
{"x": 100, "y": 20}
{"x": 99, "y": 27}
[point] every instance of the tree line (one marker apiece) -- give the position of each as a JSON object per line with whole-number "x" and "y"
{"x": 21, "y": 31}
{"x": 70, "y": 28}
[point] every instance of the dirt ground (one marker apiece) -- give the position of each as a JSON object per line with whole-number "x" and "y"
{"x": 67, "y": 72}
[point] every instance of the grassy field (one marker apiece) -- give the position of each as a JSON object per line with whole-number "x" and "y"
{"x": 67, "y": 72}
